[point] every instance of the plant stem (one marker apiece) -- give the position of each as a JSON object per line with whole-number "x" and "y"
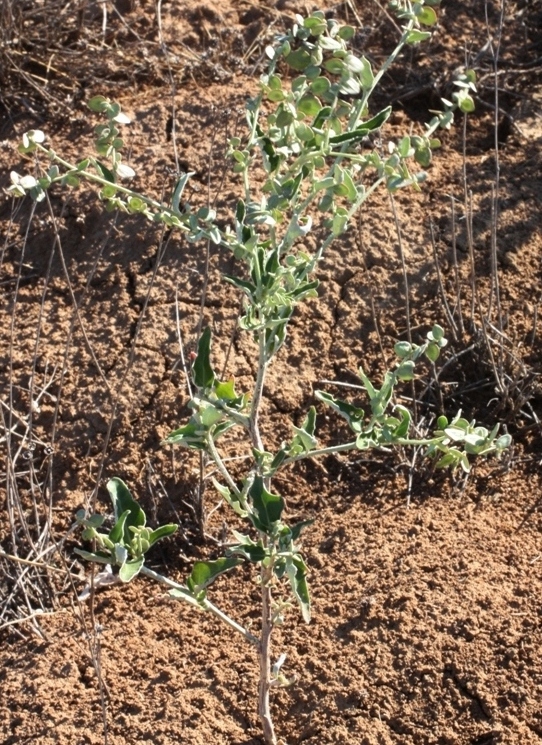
{"x": 258, "y": 391}
{"x": 265, "y": 659}
{"x": 352, "y": 446}
{"x": 354, "y": 119}
{"x": 95, "y": 178}
{"x": 215, "y": 455}
{"x": 204, "y": 605}
{"x": 320, "y": 451}
{"x": 266, "y": 572}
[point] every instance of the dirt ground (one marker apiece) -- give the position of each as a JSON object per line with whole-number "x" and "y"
{"x": 426, "y": 587}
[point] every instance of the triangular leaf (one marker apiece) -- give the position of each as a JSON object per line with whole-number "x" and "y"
{"x": 203, "y": 374}
{"x": 116, "y": 534}
{"x": 162, "y": 532}
{"x": 268, "y": 507}
{"x": 304, "y": 435}
{"x": 297, "y": 529}
{"x": 363, "y": 130}
{"x": 249, "y": 287}
{"x": 124, "y": 502}
{"x": 178, "y": 191}
{"x": 309, "y": 423}
{"x": 105, "y": 172}
{"x": 190, "y": 435}
{"x": 131, "y": 569}
{"x": 279, "y": 458}
{"x": 297, "y": 574}
{"x": 352, "y": 414}
{"x": 204, "y": 573}
{"x": 100, "y": 557}
{"x": 231, "y": 498}
{"x": 253, "y": 552}
{"x": 226, "y": 390}
{"x": 402, "y": 429}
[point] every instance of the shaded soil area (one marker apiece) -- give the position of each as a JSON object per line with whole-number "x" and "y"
{"x": 426, "y": 587}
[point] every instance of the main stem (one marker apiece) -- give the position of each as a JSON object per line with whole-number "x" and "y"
{"x": 265, "y": 659}
{"x": 258, "y": 392}
{"x": 266, "y": 572}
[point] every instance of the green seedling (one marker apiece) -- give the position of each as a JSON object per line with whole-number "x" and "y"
{"x": 323, "y": 153}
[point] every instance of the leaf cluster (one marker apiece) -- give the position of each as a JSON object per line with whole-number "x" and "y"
{"x": 126, "y": 544}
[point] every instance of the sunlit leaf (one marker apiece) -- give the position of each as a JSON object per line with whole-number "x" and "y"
{"x": 190, "y": 435}
{"x": 105, "y": 172}
{"x": 309, "y": 105}
{"x": 123, "y": 502}
{"x": 352, "y": 414}
{"x": 415, "y": 36}
{"x": 121, "y": 118}
{"x": 252, "y": 551}
{"x": 299, "y": 59}
{"x": 131, "y": 569}
{"x": 346, "y": 33}
{"x": 163, "y": 532}
{"x": 202, "y": 371}
{"x": 204, "y": 573}
{"x": 427, "y": 16}
{"x": 268, "y": 507}
{"x": 297, "y": 574}
{"x": 100, "y": 556}
{"x": 124, "y": 171}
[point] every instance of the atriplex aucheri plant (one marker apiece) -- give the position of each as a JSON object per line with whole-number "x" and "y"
{"x": 322, "y": 154}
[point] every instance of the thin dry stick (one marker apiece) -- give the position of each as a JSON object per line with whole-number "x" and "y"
{"x": 476, "y": 302}
{"x": 39, "y": 324}
{"x": 475, "y": 298}
{"x": 14, "y": 505}
{"x": 32, "y": 616}
{"x": 403, "y": 266}
{"x": 211, "y": 203}
{"x": 76, "y": 305}
{"x": 28, "y": 562}
{"x": 372, "y": 293}
{"x": 233, "y": 336}
{"x": 406, "y": 290}
{"x": 467, "y": 195}
{"x": 495, "y": 49}
{"x": 535, "y": 322}
{"x": 173, "y": 87}
{"x": 456, "y": 271}
{"x": 390, "y": 18}
{"x": 182, "y": 356}
{"x": 447, "y": 309}
{"x": 495, "y": 286}
{"x": 196, "y": 507}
